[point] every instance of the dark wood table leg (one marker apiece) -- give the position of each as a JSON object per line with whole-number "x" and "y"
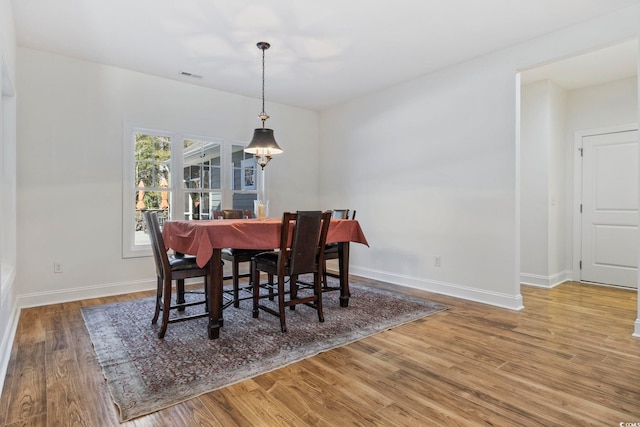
{"x": 343, "y": 264}
{"x": 214, "y": 290}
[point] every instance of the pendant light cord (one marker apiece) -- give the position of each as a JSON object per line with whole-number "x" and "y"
{"x": 263, "y": 114}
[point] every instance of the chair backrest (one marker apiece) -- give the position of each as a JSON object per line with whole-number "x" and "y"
{"x": 157, "y": 243}
{"x": 308, "y": 231}
{"x": 232, "y": 213}
{"x": 342, "y": 214}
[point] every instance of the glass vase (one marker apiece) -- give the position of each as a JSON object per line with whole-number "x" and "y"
{"x": 261, "y": 209}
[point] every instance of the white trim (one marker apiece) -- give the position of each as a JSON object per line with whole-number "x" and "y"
{"x": 546, "y": 281}
{"x": 577, "y": 187}
{"x": 129, "y": 248}
{"x": 518, "y": 182}
{"x": 7, "y": 277}
{"x": 636, "y": 332}
{"x": 6, "y": 345}
{"x": 86, "y": 292}
{"x": 511, "y": 302}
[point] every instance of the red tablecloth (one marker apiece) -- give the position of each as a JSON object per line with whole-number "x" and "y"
{"x": 199, "y": 238}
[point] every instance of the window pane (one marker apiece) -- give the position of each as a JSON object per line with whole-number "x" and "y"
{"x": 242, "y": 168}
{"x": 152, "y": 159}
{"x": 244, "y": 201}
{"x": 206, "y": 183}
{"x": 157, "y": 201}
{"x": 192, "y": 177}
{"x": 152, "y": 200}
{"x": 202, "y": 164}
{"x": 201, "y": 205}
{"x": 237, "y": 182}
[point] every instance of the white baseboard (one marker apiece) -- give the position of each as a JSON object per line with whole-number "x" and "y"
{"x": 6, "y": 344}
{"x": 545, "y": 281}
{"x": 636, "y": 332}
{"x": 37, "y": 299}
{"x": 512, "y": 302}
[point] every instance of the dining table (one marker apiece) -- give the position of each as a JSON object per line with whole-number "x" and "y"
{"x": 205, "y": 239}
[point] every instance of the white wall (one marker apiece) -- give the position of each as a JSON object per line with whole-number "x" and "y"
{"x": 8, "y": 303}
{"x": 558, "y": 263}
{"x": 542, "y": 185}
{"x": 604, "y": 105}
{"x": 535, "y": 129}
{"x": 430, "y": 166}
{"x": 70, "y": 128}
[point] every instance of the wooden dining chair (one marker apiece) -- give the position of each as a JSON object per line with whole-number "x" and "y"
{"x": 169, "y": 268}
{"x": 332, "y": 250}
{"x": 238, "y": 256}
{"x": 307, "y": 233}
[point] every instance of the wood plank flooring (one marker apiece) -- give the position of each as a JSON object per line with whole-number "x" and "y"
{"x": 567, "y": 359}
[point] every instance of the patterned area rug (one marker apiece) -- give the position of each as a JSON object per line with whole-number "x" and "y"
{"x": 145, "y": 374}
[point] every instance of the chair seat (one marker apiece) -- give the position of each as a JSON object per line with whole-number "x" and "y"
{"x": 240, "y": 253}
{"x": 182, "y": 262}
{"x": 330, "y": 249}
{"x": 267, "y": 260}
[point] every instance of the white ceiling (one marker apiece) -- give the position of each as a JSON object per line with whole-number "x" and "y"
{"x": 322, "y": 52}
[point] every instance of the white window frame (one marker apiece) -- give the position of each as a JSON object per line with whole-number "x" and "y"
{"x": 176, "y": 189}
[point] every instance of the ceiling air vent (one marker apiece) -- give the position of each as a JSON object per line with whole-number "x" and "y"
{"x": 188, "y": 74}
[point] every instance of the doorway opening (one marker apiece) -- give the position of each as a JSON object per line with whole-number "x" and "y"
{"x": 559, "y": 102}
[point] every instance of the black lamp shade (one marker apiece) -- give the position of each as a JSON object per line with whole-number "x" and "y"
{"x": 263, "y": 143}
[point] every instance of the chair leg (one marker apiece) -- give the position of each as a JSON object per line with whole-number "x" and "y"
{"x": 236, "y": 285}
{"x": 166, "y": 307}
{"x": 270, "y": 281}
{"x": 255, "y": 274}
{"x": 283, "y": 322}
{"x": 317, "y": 289}
{"x": 206, "y": 294}
{"x": 180, "y": 293}
{"x": 324, "y": 274}
{"x": 158, "y": 301}
{"x": 221, "y": 317}
{"x": 293, "y": 290}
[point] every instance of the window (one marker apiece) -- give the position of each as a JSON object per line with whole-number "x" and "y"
{"x": 181, "y": 176}
{"x": 202, "y": 178}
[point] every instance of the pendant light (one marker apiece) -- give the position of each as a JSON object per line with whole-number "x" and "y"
{"x": 263, "y": 145}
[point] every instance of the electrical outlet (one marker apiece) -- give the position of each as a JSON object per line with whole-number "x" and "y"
{"x": 57, "y": 267}
{"x": 436, "y": 261}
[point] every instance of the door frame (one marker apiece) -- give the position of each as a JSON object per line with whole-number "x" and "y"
{"x": 577, "y": 190}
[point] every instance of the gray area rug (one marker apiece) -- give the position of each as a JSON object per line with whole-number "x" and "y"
{"x": 145, "y": 374}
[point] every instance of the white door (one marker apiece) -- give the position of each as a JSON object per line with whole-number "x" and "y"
{"x": 610, "y": 208}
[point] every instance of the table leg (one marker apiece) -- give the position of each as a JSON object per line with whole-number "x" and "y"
{"x": 214, "y": 290}
{"x": 343, "y": 264}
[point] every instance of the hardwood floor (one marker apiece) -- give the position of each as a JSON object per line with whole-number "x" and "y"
{"x": 567, "y": 359}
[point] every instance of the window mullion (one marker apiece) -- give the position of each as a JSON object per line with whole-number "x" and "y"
{"x": 177, "y": 178}
{"x": 226, "y": 179}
